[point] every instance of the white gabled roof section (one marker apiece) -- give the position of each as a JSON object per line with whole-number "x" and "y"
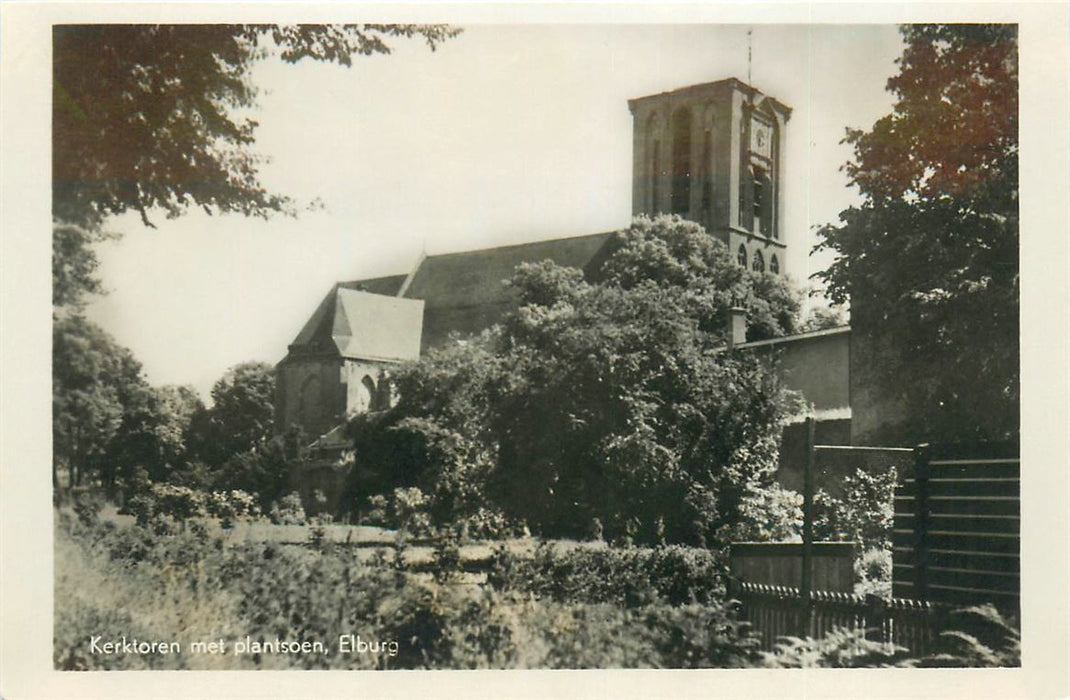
{"x": 377, "y": 327}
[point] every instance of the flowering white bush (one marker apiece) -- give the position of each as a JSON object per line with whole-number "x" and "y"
{"x": 231, "y": 505}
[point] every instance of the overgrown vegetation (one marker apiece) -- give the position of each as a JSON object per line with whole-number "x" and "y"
{"x": 976, "y": 636}
{"x": 574, "y": 607}
{"x": 184, "y": 585}
{"x": 605, "y": 404}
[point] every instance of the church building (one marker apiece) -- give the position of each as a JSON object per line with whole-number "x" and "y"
{"x": 711, "y": 153}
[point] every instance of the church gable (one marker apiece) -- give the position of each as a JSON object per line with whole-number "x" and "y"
{"x": 390, "y": 285}
{"x": 376, "y": 327}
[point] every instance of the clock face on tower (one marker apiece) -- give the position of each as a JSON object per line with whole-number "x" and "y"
{"x": 761, "y": 139}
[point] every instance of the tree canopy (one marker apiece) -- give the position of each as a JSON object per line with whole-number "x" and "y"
{"x": 150, "y": 118}
{"x": 241, "y": 417}
{"x": 106, "y": 419}
{"x": 609, "y": 401}
{"x": 929, "y": 261}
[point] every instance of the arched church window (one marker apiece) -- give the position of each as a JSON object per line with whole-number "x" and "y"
{"x": 367, "y": 393}
{"x": 681, "y": 162}
{"x": 759, "y": 262}
{"x": 774, "y": 265}
{"x": 741, "y": 256}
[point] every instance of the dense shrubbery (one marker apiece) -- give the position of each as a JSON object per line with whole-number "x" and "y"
{"x": 630, "y": 576}
{"x": 181, "y": 503}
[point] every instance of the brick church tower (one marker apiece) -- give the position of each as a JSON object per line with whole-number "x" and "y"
{"x": 712, "y": 154}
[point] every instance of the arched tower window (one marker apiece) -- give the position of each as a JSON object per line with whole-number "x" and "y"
{"x": 653, "y": 144}
{"x": 741, "y": 256}
{"x": 758, "y": 175}
{"x": 774, "y": 265}
{"x": 681, "y": 162}
{"x": 707, "y": 181}
{"x": 759, "y": 262}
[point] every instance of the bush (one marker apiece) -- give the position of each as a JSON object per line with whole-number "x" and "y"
{"x": 178, "y": 502}
{"x": 674, "y": 574}
{"x": 770, "y": 514}
{"x": 87, "y": 507}
{"x": 864, "y": 514}
{"x": 288, "y": 510}
{"x": 873, "y": 571}
{"x": 411, "y": 511}
{"x": 229, "y": 506}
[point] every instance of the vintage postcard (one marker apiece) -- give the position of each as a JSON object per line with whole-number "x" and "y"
{"x": 586, "y": 350}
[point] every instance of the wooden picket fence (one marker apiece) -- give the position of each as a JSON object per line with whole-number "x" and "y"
{"x": 781, "y": 611}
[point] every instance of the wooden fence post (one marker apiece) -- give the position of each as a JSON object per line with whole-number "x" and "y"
{"x": 875, "y": 618}
{"x": 808, "y": 530}
{"x": 922, "y": 454}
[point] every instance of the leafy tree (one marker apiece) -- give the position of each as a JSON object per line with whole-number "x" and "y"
{"x": 609, "y": 400}
{"x": 438, "y": 437}
{"x": 823, "y": 318}
{"x": 241, "y": 417}
{"x": 85, "y": 405}
{"x": 265, "y": 472}
{"x": 929, "y": 261}
{"x": 616, "y": 407}
{"x": 152, "y": 434}
{"x": 74, "y": 265}
{"x": 149, "y": 117}
{"x": 675, "y": 254}
{"x": 136, "y": 443}
{"x": 107, "y": 421}
{"x": 98, "y": 397}
{"x": 176, "y": 407}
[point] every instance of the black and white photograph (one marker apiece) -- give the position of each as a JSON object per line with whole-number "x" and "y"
{"x": 654, "y": 343}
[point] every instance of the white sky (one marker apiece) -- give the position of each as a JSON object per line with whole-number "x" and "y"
{"x": 505, "y": 134}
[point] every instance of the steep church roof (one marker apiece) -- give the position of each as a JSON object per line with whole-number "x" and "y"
{"x": 466, "y": 292}
{"x": 361, "y": 324}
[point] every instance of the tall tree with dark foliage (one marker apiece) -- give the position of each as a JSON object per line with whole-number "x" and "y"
{"x": 929, "y": 261}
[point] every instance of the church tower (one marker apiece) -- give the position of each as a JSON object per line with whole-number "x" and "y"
{"x": 712, "y": 154}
